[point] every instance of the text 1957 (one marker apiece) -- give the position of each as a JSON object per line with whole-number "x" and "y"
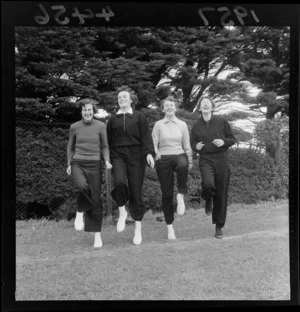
{"x": 239, "y": 11}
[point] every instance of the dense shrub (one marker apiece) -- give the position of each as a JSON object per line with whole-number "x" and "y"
{"x": 40, "y": 168}
{"x": 252, "y": 176}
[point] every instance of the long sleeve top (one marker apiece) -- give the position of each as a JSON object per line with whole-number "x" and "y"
{"x": 206, "y": 131}
{"x": 130, "y": 129}
{"x": 171, "y": 137}
{"x": 87, "y": 141}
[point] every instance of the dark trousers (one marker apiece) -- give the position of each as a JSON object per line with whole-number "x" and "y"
{"x": 165, "y": 168}
{"x": 87, "y": 176}
{"x": 215, "y": 174}
{"x": 128, "y": 172}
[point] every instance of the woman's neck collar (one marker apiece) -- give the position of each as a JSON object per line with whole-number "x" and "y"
{"x": 126, "y": 110}
{"x": 87, "y": 122}
{"x": 173, "y": 117}
{"x": 207, "y": 116}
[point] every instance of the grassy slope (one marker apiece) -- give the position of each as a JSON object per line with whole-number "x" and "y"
{"x": 54, "y": 262}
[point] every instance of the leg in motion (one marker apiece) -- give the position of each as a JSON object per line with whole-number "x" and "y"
{"x": 208, "y": 206}
{"x": 220, "y": 198}
{"x": 218, "y": 233}
{"x": 137, "y": 239}
{"x": 136, "y": 165}
{"x": 120, "y": 193}
{"x": 79, "y": 223}
{"x": 97, "y": 240}
{"x": 165, "y": 175}
{"x": 171, "y": 233}
{"x": 122, "y": 219}
{"x": 83, "y": 205}
{"x": 180, "y": 166}
{"x": 180, "y": 204}
{"x": 208, "y": 183}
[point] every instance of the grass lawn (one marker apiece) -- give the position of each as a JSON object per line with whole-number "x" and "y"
{"x": 251, "y": 262}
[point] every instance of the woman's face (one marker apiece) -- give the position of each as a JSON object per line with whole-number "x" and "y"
{"x": 206, "y": 106}
{"x": 124, "y": 100}
{"x": 87, "y": 112}
{"x": 169, "y": 108}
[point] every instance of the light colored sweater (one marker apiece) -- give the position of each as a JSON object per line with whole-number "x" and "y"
{"x": 87, "y": 141}
{"x": 172, "y": 138}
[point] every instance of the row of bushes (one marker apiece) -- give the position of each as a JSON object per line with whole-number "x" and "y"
{"x": 41, "y": 178}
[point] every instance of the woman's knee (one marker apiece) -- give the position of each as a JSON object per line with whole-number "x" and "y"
{"x": 120, "y": 185}
{"x": 207, "y": 185}
{"x": 81, "y": 183}
{"x": 182, "y": 162}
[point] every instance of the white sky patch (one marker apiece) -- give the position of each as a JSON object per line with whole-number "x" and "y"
{"x": 251, "y": 89}
{"x": 101, "y": 113}
{"x": 230, "y": 106}
{"x": 248, "y": 124}
{"x": 225, "y": 73}
{"x": 64, "y": 76}
{"x": 73, "y": 99}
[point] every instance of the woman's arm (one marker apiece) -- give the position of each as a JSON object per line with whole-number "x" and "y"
{"x": 155, "y": 137}
{"x": 229, "y": 138}
{"x": 145, "y": 135}
{"x": 71, "y": 145}
{"x": 186, "y": 144}
{"x": 104, "y": 143}
{"x": 70, "y": 148}
{"x": 193, "y": 138}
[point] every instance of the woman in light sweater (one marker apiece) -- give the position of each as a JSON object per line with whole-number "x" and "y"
{"x": 87, "y": 140}
{"x": 173, "y": 154}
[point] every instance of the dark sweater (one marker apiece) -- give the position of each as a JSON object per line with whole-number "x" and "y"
{"x": 206, "y": 131}
{"x": 87, "y": 141}
{"x": 130, "y": 130}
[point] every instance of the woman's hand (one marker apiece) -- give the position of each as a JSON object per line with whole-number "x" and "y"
{"x": 150, "y": 161}
{"x": 108, "y": 165}
{"x": 190, "y": 167}
{"x": 218, "y": 142}
{"x": 157, "y": 156}
{"x": 69, "y": 171}
{"x": 199, "y": 146}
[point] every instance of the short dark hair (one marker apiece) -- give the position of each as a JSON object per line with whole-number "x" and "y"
{"x": 87, "y": 101}
{"x": 132, "y": 94}
{"x": 170, "y": 98}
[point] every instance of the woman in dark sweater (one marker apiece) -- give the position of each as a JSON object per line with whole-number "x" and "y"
{"x": 87, "y": 140}
{"x": 131, "y": 146}
{"x": 211, "y": 136}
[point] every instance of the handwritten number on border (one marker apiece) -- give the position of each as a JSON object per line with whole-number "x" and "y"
{"x": 224, "y": 16}
{"x": 61, "y": 10}
{"x": 254, "y": 16}
{"x": 83, "y": 16}
{"x": 240, "y": 14}
{"x": 106, "y": 15}
{"x": 45, "y": 18}
{"x": 239, "y": 11}
{"x": 202, "y": 15}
